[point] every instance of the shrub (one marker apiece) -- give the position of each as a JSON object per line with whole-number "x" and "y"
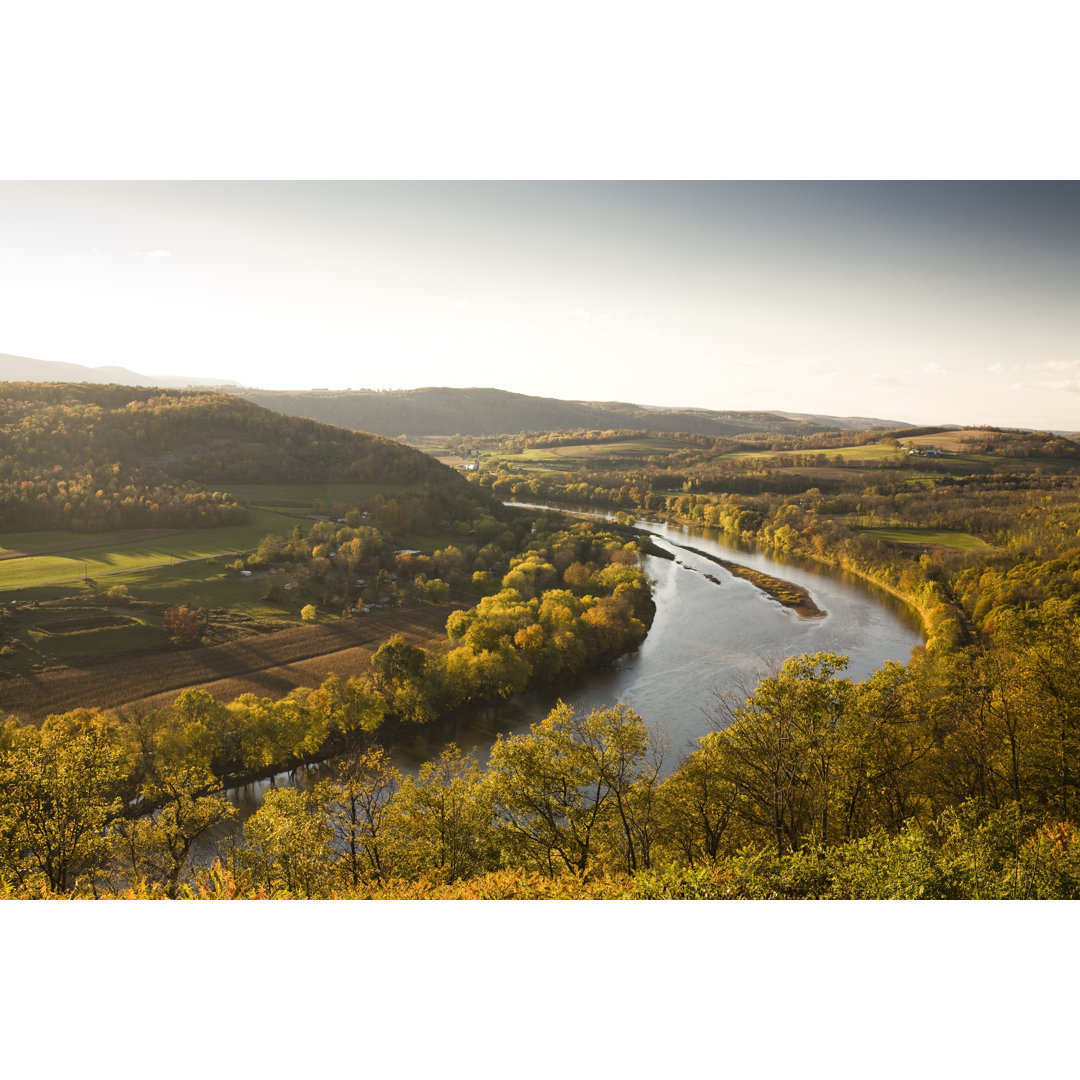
{"x": 308, "y": 613}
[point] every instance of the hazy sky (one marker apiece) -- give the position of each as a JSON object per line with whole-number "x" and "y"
{"x": 928, "y": 302}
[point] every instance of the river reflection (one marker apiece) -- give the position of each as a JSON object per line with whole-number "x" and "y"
{"x": 707, "y": 638}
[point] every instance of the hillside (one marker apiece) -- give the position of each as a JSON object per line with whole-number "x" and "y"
{"x": 26, "y": 369}
{"x": 440, "y": 410}
{"x": 86, "y": 457}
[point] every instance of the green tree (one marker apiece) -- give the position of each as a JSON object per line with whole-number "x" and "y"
{"x": 60, "y": 787}
{"x": 356, "y": 808}
{"x": 154, "y": 848}
{"x": 443, "y": 820}
{"x": 287, "y": 844}
{"x": 560, "y": 786}
{"x": 781, "y": 747}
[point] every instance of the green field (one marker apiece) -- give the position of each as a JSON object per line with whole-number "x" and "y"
{"x": 869, "y": 452}
{"x": 142, "y": 630}
{"x": 561, "y": 459}
{"x": 630, "y": 448}
{"x": 932, "y": 537}
{"x": 98, "y": 559}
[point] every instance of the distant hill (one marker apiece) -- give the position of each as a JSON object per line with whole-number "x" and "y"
{"x": 441, "y": 410}
{"x": 88, "y": 458}
{"x": 25, "y": 369}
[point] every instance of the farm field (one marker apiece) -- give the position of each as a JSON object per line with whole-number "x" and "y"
{"x": 630, "y": 448}
{"x": 127, "y": 552}
{"x": 963, "y": 541}
{"x": 869, "y": 452}
{"x": 561, "y": 459}
{"x": 269, "y": 664}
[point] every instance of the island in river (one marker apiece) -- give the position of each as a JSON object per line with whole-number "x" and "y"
{"x": 785, "y": 592}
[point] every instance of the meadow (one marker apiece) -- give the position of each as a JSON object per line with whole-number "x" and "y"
{"x": 132, "y": 551}
{"x": 927, "y": 537}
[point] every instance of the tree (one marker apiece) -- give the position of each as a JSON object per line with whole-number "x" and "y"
{"x": 399, "y": 674}
{"x": 60, "y": 787}
{"x": 356, "y": 809}
{"x": 560, "y": 786}
{"x": 781, "y": 747}
{"x": 696, "y": 803}
{"x": 287, "y": 846}
{"x": 185, "y": 625}
{"x": 154, "y": 847}
{"x": 443, "y": 820}
{"x": 308, "y": 613}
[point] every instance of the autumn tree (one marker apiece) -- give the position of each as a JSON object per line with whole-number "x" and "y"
{"x": 443, "y": 820}
{"x": 356, "y": 809}
{"x": 287, "y": 844}
{"x": 558, "y": 787}
{"x": 153, "y": 848}
{"x": 185, "y": 625}
{"x": 60, "y": 785}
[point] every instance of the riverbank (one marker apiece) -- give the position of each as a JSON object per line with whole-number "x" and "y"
{"x": 794, "y": 597}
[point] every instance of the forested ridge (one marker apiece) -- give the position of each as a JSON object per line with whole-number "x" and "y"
{"x": 91, "y": 458}
{"x": 440, "y": 410}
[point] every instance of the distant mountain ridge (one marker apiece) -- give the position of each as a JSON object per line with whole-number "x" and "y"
{"x": 442, "y": 410}
{"x": 26, "y": 369}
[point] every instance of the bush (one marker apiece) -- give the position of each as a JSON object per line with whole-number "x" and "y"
{"x": 308, "y": 613}
{"x": 118, "y": 594}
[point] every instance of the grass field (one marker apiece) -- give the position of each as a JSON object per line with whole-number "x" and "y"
{"x": 928, "y": 537}
{"x": 630, "y": 448}
{"x": 134, "y": 552}
{"x": 870, "y": 452}
{"x": 563, "y": 459}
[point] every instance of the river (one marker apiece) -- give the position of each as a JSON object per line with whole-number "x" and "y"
{"x": 706, "y": 639}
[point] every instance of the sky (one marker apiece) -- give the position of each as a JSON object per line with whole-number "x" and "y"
{"x": 930, "y": 302}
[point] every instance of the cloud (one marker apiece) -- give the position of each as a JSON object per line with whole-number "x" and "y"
{"x": 1055, "y": 365}
{"x": 799, "y": 365}
{"x": 462, "y": 303}
{"x": 996, "y": 369}
{"x": 157, "y": 253}
{"x": 594, "y": 318}
{"x": 1056, "y": 376}
{"x": 1070, "y": 386}
{"x": 934, "y": 368}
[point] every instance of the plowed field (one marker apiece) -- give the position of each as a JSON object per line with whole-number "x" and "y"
{"x": 269, "y": 665}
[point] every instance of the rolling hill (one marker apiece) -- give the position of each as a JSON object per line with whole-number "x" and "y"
{"x": 440, "y": 410}
{"x": 26, "y": 369}
{"x": 85, "y": 457}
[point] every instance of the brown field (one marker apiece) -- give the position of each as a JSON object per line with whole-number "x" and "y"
{"x": 269, "y": 665}
{"x": 957, "y": 441}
